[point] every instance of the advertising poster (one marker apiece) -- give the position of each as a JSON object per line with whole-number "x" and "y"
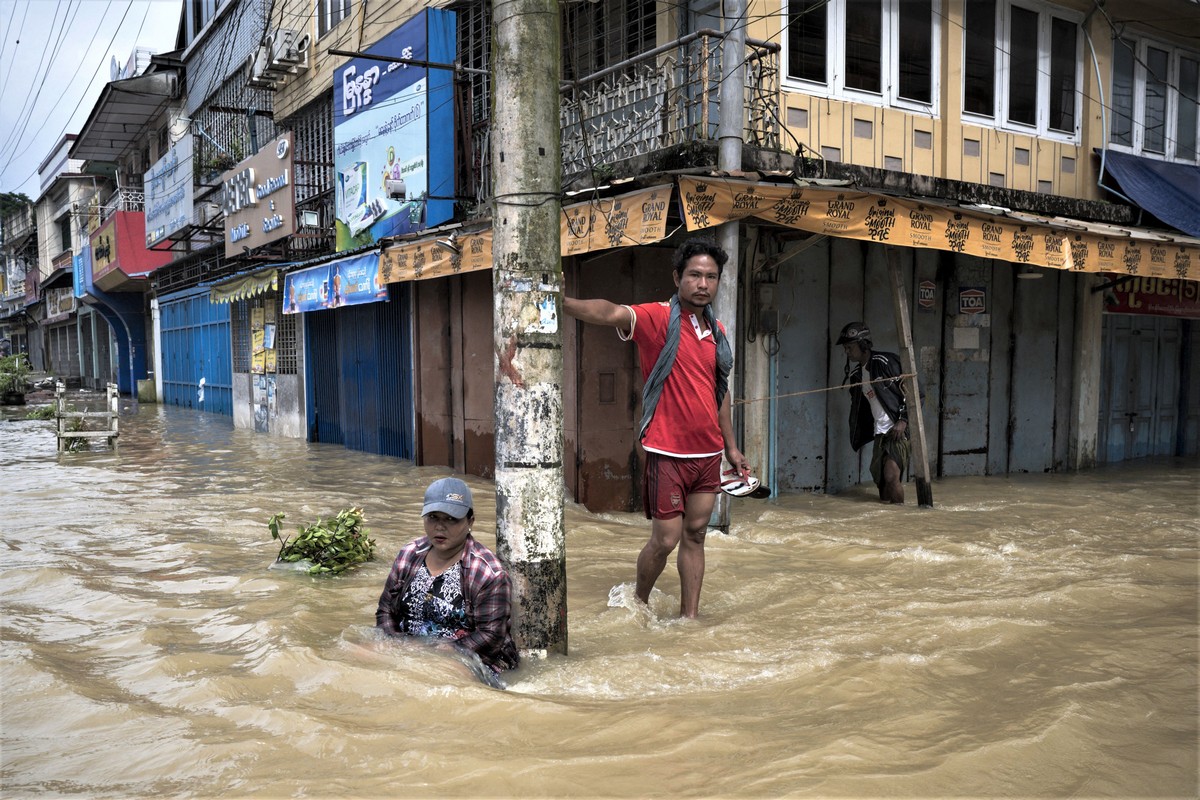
{"x": 346, "y": 282}
{"x": 258, "y": 356}
{"x": 263, "y": 395}
{"x": 384, "y": 113}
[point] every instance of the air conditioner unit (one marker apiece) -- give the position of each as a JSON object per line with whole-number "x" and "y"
{"x": 207, "y": 213}
{"x": 288, "y": 47}
{"x": 259, "y": 63}
{"x": 294, "y": 52}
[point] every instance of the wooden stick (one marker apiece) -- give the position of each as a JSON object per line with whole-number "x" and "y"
{"x": 904, "y": 330}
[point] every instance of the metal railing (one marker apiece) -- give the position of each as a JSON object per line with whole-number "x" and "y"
{"x": 663, "y": 98}
{"x": 123, "y": 200}
{"x": 18, "y": 224}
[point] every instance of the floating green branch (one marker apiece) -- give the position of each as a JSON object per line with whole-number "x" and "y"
{"x": 332, "y": 546}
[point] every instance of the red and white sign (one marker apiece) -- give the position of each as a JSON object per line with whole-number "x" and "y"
{"x": 972, "y": 301}
{"x": 926, "y": 294}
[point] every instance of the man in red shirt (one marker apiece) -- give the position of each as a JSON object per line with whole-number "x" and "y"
{"x": 686, "y": 423}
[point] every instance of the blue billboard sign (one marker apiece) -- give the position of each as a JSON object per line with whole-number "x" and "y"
{"x": 393, "y": 123}
{"x": 348, "y": 281}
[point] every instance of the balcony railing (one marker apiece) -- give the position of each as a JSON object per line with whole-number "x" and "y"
{"x": 123, "y": 200}
{"x": 660, "y": 99}
{"x": 18, "y": 224}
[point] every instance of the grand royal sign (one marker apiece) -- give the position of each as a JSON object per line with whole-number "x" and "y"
{"x": 911, "y": 223}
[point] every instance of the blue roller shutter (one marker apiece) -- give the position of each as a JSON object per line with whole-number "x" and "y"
{"x": 195, "y": 346}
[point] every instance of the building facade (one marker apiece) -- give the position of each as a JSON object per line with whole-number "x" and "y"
{"x": 1013, "y": 182}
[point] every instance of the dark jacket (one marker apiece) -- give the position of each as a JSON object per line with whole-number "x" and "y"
{"x": 890, "y": 393}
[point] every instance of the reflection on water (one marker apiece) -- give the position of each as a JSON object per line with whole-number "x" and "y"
{"x": 1033, "y": 635}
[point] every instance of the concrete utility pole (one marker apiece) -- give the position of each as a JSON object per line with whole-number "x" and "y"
{"x": 527, "y": 280}
{"x": 730, "y": 122}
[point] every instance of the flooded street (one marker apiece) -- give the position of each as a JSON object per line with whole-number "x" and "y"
{"x": 1031, "y": 636}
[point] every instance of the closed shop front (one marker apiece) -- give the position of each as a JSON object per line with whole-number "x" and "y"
{"x": 359, "y": 375}
{"x": 197, "y": 369}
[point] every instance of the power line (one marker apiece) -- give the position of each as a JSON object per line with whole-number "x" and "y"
{"x": 108, "y": 48}
{"x": 50, "y": 65}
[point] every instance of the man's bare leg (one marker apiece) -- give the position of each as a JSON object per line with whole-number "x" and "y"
{"x": 892, "y": 490}
{"x": 664, "y": 536}
{"x": 690, "y": 561}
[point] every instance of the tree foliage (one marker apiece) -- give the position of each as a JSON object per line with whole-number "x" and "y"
{"x": 11, "y": 201}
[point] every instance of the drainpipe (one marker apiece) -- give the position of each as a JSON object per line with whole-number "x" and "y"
{"x": 730, "y": 124}
{"x": 156, "y": 316}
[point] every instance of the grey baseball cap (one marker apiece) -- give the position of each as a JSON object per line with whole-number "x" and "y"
{"x": 449, "y": 496}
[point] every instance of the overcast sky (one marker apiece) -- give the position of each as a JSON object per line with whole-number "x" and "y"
{"x": 54, "y": 62}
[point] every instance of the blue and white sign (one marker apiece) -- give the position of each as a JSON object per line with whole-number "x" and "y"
{"x": 394, "y": 122}
{"x": 348, "y": 281}
{"x": 168, "y": 187}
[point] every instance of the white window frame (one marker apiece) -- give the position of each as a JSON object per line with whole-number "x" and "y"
{"x": 1003, "y": 67}
{"x": 835, "y": 61}
{"x": 1175, "y": 55}
{"x": 324, "y": 12}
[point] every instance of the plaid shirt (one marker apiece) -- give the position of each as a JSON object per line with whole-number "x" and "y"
{"x": 486, "y": 600}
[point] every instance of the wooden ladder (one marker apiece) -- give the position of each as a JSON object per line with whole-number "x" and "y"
{"x": 110, "y": 417}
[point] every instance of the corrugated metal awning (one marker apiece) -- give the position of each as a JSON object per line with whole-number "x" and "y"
{"x": 121, "y": 114}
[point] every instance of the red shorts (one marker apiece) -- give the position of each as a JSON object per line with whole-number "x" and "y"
{"x": 669, "y": 481}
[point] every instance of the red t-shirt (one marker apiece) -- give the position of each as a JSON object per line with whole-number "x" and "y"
{"x": 685, "y": 421}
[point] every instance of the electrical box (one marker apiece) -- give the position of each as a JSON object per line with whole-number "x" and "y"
{"x": 768, "y": 308}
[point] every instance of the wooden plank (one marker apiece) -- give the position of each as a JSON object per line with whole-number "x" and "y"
{"x": 908, "y": 358}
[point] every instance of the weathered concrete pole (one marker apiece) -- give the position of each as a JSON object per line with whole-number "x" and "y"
{"x": 1086, "y": 372}
{"x": 527, "y": 280}
{"x": 730, "y": 121}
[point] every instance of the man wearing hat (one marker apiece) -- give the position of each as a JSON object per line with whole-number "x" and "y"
{"x": 446, "y": 585}
{"x": 878, "y": 409}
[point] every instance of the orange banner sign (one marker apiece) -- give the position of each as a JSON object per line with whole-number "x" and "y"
{"x": 907, "y": 222}
{"x": 632, "y": 218}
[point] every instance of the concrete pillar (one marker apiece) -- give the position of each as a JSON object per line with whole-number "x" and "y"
{"x": 732, "y": 113}
{"x": 527, "y": 280}
{"x": 1086, "y": 373}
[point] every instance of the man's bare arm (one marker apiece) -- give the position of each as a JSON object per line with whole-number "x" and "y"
{"x": 599, "y": 312}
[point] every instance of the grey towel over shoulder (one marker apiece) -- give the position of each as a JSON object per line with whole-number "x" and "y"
{"x": 652, "y": 391}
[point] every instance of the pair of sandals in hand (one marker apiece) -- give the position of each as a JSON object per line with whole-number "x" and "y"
{"x": 733, "y": 484}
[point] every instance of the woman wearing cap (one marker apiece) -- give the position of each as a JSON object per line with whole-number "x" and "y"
{"x": 449, "y": 586}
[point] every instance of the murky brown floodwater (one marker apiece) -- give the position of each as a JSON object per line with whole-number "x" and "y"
{"x": 1032, "y": 636}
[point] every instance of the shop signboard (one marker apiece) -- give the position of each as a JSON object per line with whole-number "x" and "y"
{"x": 168, "y": 187}
{"x": 260, "y": 198}
{"x": 1161, "y": 297}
